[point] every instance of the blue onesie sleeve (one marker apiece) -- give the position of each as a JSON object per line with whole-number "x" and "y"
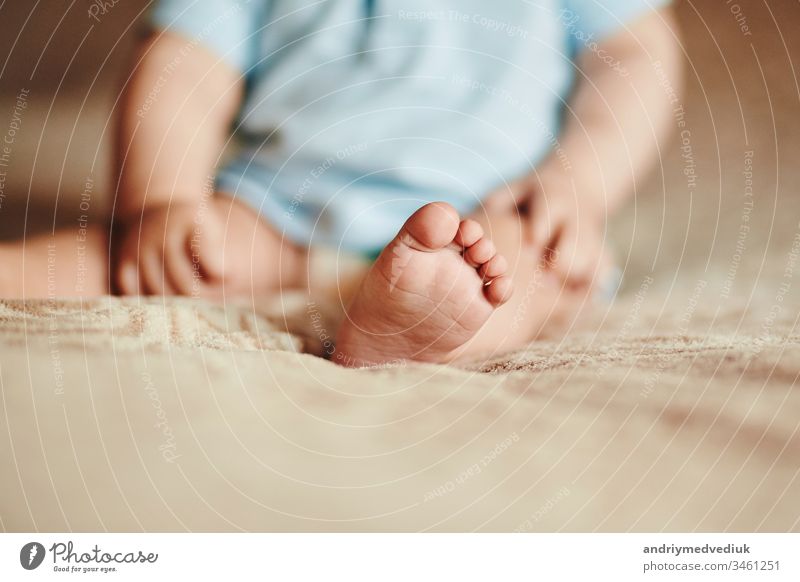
{"x": 228, "y": 28}
{"x": 595, "y": 19}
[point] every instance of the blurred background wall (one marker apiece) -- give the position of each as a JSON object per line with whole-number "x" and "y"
{"x": 739, "y": 156}
{"x": 71, "y": 65}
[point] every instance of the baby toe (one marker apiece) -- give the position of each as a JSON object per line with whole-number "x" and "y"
{"x": 481, "y": 252}
{"x": 432, "y": 227}
{"x": 499, "y": 290}
{"x": 469, "y": 232}
{"x": 494, "y": 267}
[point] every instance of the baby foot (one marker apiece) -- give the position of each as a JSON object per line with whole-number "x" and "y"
{"x": 430, "y": 291}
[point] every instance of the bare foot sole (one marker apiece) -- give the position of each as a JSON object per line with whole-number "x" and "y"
{"x": 430, "y": 291}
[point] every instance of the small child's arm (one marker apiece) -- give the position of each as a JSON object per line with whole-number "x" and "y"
{"x": 618, "y": 114}
{"x": 176, "y": 113}
{"x": 177, "y": 109}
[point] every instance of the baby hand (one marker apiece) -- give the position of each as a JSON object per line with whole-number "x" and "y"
{"x": 174, "y": 249}
{"x": 567, "y": 232}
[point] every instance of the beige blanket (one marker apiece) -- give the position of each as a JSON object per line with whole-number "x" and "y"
{"x": 174, "y": 415}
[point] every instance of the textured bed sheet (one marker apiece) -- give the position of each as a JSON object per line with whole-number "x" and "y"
{"x": 172, "y": 415}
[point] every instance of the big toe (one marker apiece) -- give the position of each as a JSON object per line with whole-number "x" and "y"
{"x": 432, "y": 227}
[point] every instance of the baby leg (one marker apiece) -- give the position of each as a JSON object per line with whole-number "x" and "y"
{"x": 258, "y": 258}
{"x": 67, "y": 263}
{"x": 74, "y": 262}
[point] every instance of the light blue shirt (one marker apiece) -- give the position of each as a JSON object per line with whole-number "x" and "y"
{"x": 357, "y": 112}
